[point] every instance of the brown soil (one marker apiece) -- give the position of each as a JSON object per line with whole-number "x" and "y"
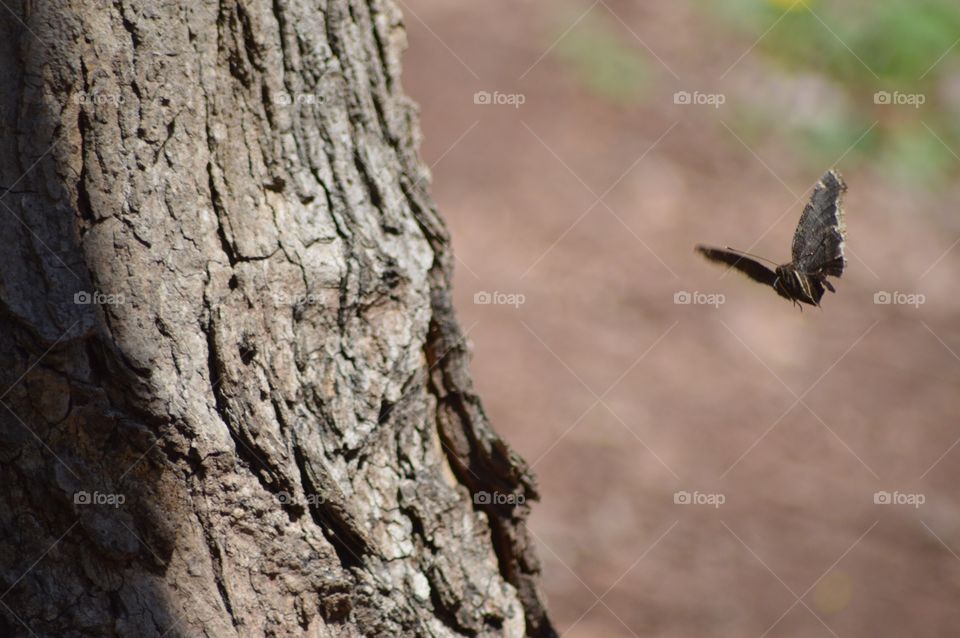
{"x": 619, "y": 397}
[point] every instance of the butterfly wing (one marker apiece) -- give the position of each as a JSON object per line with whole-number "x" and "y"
{"x": 819, "y": 239}
{"x": 752, "y": 269}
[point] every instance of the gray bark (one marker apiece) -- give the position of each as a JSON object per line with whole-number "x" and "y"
{"x": 270, "y": 376}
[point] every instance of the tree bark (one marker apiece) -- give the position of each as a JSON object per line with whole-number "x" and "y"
{"x": 235, "y": 398}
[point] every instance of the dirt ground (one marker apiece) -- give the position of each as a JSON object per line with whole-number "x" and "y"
{"x": 782, "y": 424}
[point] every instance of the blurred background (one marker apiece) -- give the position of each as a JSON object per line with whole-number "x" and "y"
{"x": 729, "y": 466}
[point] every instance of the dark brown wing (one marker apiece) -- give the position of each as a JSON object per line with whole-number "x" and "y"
{"x": 821, "y": 232}
{"x": 752, "y": 269}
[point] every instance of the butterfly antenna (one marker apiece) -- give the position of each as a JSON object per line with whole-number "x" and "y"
{"x": 751, "y": 255}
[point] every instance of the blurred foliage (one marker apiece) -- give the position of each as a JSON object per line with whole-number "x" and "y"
{"x": 899, "y": 40}
{"x": 603, "y": 60}
{"x": 862, "y": 47}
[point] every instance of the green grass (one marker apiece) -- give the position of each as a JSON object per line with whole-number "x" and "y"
{"x": 604, "y": 57}
{"x": 862, "y": 47}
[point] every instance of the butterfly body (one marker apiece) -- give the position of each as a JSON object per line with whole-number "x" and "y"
{"x": 818, "y": 248}
{"x": 796, "y": 286}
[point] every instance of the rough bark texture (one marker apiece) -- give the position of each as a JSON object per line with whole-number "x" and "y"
{"x": 270, "y": 376}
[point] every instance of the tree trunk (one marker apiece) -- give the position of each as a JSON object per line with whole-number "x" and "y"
{"x": 235, "y": 398}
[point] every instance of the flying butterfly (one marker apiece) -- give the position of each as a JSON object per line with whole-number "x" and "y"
{"x": 817, "y": 248}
